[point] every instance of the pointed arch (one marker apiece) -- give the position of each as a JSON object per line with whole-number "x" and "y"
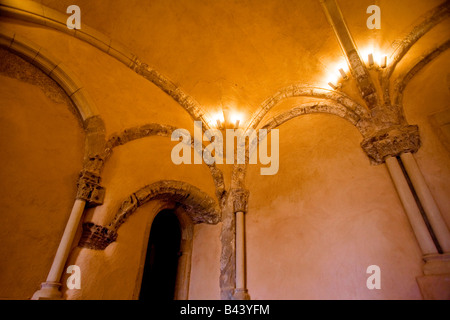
{"x": 156, "y": 129}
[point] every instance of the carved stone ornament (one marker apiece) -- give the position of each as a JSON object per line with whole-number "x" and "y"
{"x": 392, "y": 142}
{"x": 240, "y": 200}
{"x": 89, "y": 188}
{"x": 96, "y": 237}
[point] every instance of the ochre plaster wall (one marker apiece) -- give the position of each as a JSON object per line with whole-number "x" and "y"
{"x": 41, "y": 145}
{"x": 315, "y": 227}
{"x": 205, "y": 271}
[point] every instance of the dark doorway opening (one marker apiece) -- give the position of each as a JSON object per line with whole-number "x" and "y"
{"x": 161, "y": 261}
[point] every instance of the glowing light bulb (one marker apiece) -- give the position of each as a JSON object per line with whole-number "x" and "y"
{"x": 236, "y": 118}
{"x": 218, "y": 120}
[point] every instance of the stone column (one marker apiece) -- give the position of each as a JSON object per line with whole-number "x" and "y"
{"x": 383, "y": 147}
{"x": 415, "y": 218}
{"x": 240, "y": 208}
{"x": 50, "y": 288}
{"x": 401, "y": 141}
{"x": 89, "y": 191}
{"x": 429, "y": 205}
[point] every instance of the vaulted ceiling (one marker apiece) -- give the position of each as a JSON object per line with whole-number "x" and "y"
{"x": 237, "y": 53}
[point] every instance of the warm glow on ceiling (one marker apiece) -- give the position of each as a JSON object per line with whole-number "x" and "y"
{"x": 235, "y": 117}
{"x": 334, "y": 76}
{"x": 377, "y": 54}
{"x": 216, "y": 119}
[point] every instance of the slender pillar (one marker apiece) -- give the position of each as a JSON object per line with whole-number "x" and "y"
{"x": 412, "y": 211}
{"x": 240, "y": 207}
{"x": 431, "y": 209}
{"x": 50, "y": 288}
{"x": 240, "y": 250}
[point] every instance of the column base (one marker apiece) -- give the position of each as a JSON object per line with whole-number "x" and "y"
{"x": 48, "y": 291}
{"x": 241, "y": 294}
{"x": 435, "y": 283}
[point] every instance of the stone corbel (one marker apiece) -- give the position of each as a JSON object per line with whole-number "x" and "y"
{"x": 96, "y": 237}
{"x": 392, "y": 142}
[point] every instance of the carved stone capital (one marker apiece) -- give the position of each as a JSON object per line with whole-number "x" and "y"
{"x": 240, "y": 200}
{"x": 96, "y": 237}
{"x": 89, "y": 188}
{"x": 392, "y": 142}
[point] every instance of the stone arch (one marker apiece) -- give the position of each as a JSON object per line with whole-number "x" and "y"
{"x": 199, "y": 206}
{"x": 319, "y": 107}
{"x": 302, "y": 91}
{"x": 401, "y": 84}
{"x": 431, "y": 19}
{"x": 362, "y": 123}
{"x": 89, "y": 181}
{"x": 53, "y": 68}
{"x": 156, "y": 129}
{"x": 38, "y": 13}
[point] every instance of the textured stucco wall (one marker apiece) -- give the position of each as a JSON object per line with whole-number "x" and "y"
{"x": 315, "y": 227}
{"x": 41, "y": 146}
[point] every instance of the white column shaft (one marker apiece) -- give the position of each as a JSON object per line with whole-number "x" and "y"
{"x": 409, "y": 204}
{"x": 426, "y": 198}
{"x": 240, "y": 250}
{"x": 66, "y": 241}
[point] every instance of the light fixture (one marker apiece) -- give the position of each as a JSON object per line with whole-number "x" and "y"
{"x": 371, "y": 62}
{"x": 383, "y": 62}
{"x": 337, "y": 73}
{"x": 218, "y": 120}
{"x": 343, "y": 74}
{"x": 235, "y": 119}
{"x": 227, "y": 120}
{"x": 333, "y": 86}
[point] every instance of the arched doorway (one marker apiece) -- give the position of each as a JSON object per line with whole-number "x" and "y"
{"x": 161, "y": 261}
